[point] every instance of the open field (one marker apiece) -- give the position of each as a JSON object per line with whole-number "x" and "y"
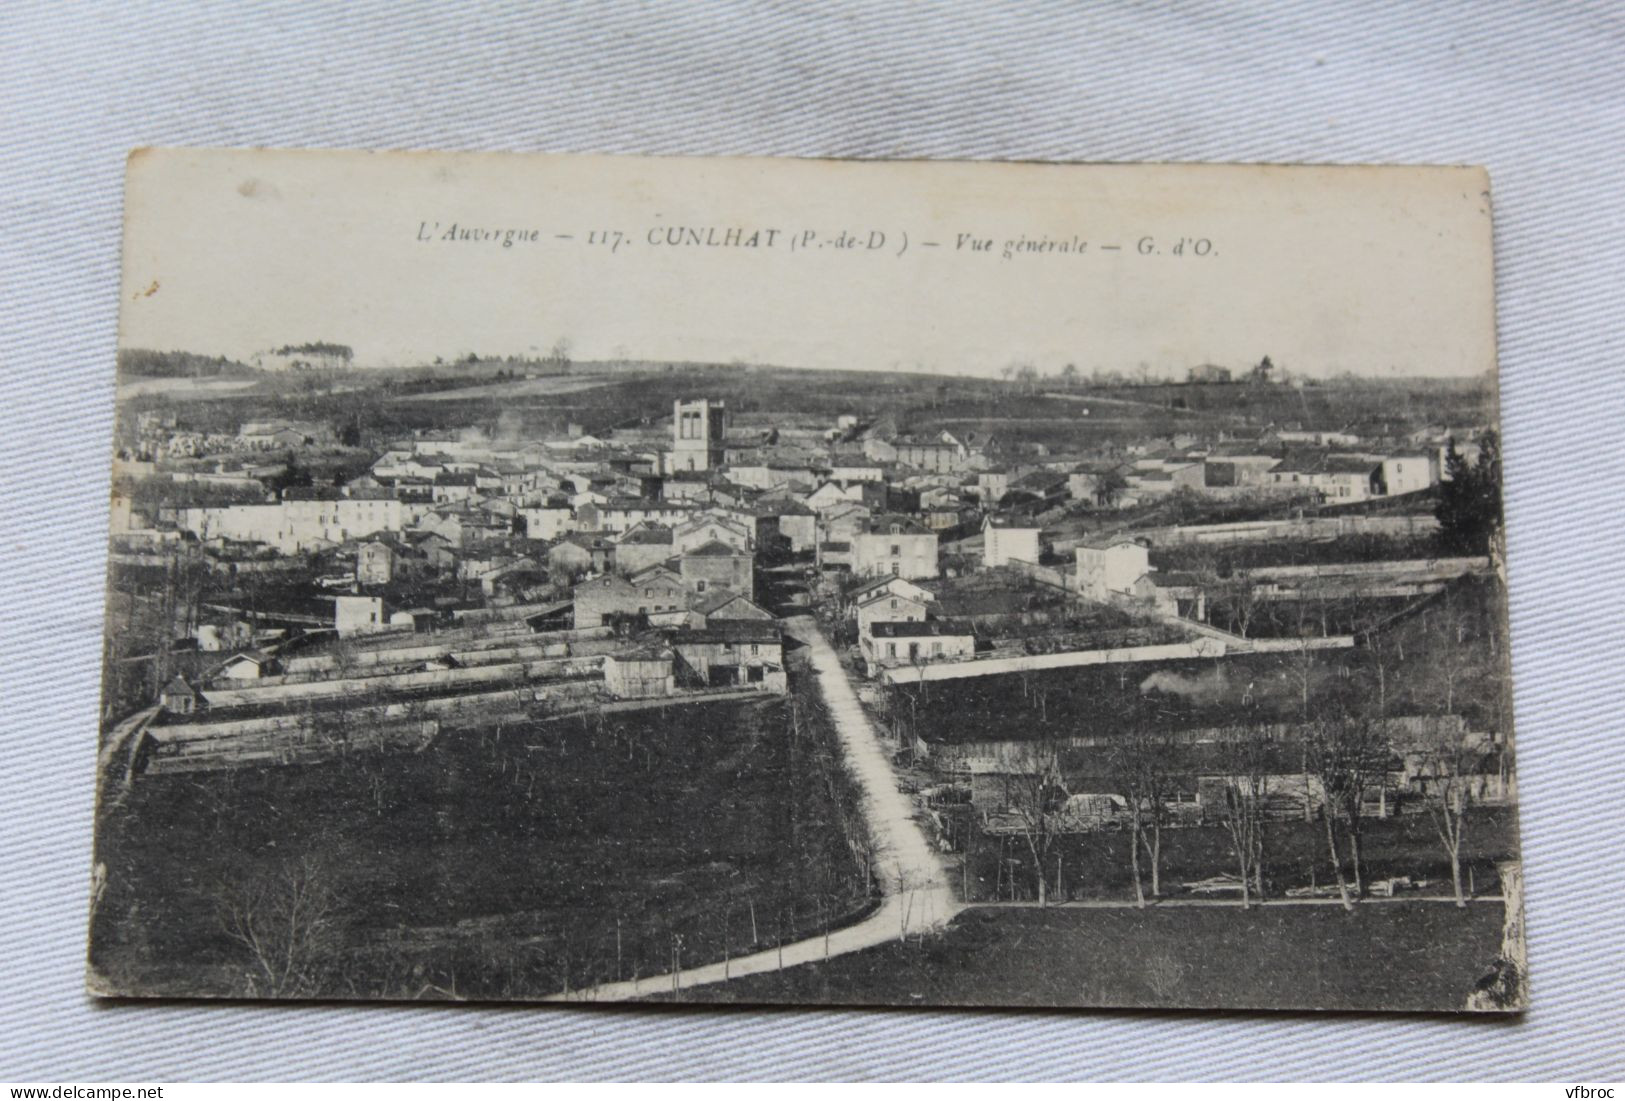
{"x": 550, "y": 386}
{"x": 504, "y": 866}
{"x": 1391, "y": 956}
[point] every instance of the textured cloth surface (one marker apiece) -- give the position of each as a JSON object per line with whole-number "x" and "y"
{"x": 1536, "y": 92}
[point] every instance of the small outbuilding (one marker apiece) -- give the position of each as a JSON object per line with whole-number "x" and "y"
{"x": 249, "y": 665}
{"x": 180, "y": 698}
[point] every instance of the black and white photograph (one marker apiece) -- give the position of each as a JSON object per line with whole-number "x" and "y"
{"x": 604, "y": 579}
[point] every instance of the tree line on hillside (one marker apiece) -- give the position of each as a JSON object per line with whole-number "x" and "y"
{"x": 322, "y": 348}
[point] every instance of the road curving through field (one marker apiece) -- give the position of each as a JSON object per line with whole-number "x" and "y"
{"x": 916, "y": 895}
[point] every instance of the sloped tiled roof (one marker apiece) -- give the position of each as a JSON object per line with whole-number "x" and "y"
{"x": 647, "y": 535}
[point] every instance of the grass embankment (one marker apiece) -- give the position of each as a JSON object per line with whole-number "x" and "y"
{"x": 1392, "y": 956}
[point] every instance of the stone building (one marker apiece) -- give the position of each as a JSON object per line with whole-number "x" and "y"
{"x": 717, "y": 565}
{"x": 609, "y": 598}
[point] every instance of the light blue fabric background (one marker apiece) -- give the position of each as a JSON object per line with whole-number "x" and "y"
{"x": 1536, "y": 91}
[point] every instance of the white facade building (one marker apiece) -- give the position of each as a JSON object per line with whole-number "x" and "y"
{"x": 359, "y": 615}
{"x": 1004, "y": 541}
{"x": 1111, "y": 565}
{"x": 299, "y": 525}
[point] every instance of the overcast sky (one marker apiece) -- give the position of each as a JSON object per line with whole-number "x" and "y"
{"x": 1376, "y": 271}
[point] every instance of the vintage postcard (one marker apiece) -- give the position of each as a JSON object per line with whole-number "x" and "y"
{"x": 594, "y": 579}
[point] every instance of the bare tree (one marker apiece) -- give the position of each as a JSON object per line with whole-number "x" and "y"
{"x": 1453, "y": 658}
{"x": 1031, "y": 792}
{"x": 1244, "y": 756}
{"x": 1349, "y": 755}
{"x": 1142, "y": 764}
{"x": 899, "y": 696}
{"x": 1236, "y": 593}
{"x": 1382, "y": 649}
{"x": 289, "y": 920}
{"x": 558, "y": 357}
{"x": 349, "y": 721}
{"x": 1301, "y": 663}
{"x": 1450, "y": 762}
{"x": 333, "y": 723}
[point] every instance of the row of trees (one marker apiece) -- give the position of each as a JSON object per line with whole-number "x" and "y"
{"x": 1026, "y": 375}
{"x": 557, "y": 359}
{"x": 1324, "y": 746}
{"x": 1341, "y": 779}
{"x": 149, "y": 363}
{"x": 317, "y": 353}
